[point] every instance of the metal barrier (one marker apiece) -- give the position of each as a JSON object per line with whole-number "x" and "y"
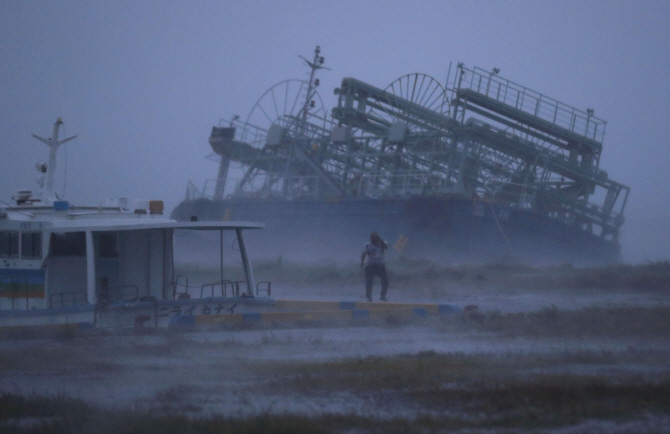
{"x": 399, "y": 185}
{"x": 223, "y": 285}
{"x": 296, "y": 187}
{"x": 192, "y": 191}
{"x": 535, "y": 104}
{"x": 103, "y": 306}
{"x": 268, "y": 287}
{"x": 176, "y": 285}
{"x": 74, "y": 297}
{"x": 127, "y": 292}
{"x": 237, "y": 286}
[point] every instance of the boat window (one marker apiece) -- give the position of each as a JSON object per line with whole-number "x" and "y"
{"x": 108, "y": 245}
{"x": 68, "y": 244}
{"x": 31, "y": 245}
{"x": 9, "y": 244}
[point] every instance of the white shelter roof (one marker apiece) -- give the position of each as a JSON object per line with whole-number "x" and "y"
{"x": 104, "y": 225}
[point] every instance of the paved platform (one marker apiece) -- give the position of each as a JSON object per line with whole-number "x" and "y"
{"x": 317, "y": 305}
{"x": 281, "y": 311}
{"x": 314, "y": 310}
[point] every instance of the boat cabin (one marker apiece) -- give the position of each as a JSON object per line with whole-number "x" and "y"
{"x": 84, "y": 262}
{"x": 61, "y": 263}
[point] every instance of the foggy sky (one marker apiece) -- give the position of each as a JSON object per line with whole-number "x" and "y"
{"x": 143, "y": 82}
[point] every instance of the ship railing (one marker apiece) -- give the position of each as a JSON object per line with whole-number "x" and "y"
{"x": 302, "y": 187}
{"x": 221, "y": 286}
{"x": 127, "y": 292}
{"x": 208, "y": 189}
{"x": 192, "y": 191}
{"x": 534, "y": 103}
{"x": 238, "y": 288}
{"x": 67, "y": 298}
{"x": 224, "y": 288}
{"x": 238, "y": 283}
{"x": 251, "y": 134}
{"x": 400, "y": 185}
{"x": 594, "y": 213}
{"x": 264, "y": 286}
{"x": 251, "y": 188}
{"x": 292, "y": 187}
{"x": 318, "y": 128}
{"x": 180, "y": 282}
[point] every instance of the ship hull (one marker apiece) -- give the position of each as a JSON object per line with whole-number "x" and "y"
{"x": 449, "y": 230}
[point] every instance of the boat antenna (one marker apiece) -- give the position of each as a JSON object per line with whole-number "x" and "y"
{"x": 314, "y": 65}
{"x": 64, "y": 168}
{"x": 48, "y": 194}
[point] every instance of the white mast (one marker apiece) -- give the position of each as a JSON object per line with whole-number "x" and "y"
{"x": 315, "y": 65}
{"x": 48, "y": 194}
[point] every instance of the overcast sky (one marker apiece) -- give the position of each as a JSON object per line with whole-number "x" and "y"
{"x": 143, "y": 82}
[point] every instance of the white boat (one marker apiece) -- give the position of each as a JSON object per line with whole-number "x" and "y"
{"x": 106, "y": 266}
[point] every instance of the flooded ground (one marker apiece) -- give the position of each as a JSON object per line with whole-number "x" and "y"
{"x": 487, "y": 299}
{"x": 568, "y": 360}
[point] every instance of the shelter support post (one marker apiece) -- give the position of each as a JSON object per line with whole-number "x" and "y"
{"x": 221, "y": 256}
{"x": 90, "y": 269}
{"x": 245, "y": 262}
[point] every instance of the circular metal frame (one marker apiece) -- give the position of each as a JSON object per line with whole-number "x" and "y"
{"x": 413, "y": 90}
{"x": 283, "y": 105}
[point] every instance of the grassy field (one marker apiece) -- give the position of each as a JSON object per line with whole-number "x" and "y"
{"x": 510, "y": 406}
{"x": 429, "y": 391}
{"x": 590, "y": 368}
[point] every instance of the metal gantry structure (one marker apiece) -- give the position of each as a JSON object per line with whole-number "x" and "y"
{"x": 481, "y": 137}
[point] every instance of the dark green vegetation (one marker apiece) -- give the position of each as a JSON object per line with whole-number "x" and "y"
{"x": 489, "y": 391}
{"x": 496, "y": 400}
{"x": 550, "y": 322}
{"x": 59, "y": 414}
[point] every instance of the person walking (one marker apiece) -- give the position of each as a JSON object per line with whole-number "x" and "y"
{"x": 374, "y": 250}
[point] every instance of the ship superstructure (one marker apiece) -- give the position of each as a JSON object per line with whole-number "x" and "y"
{"x": 486, "y": 165}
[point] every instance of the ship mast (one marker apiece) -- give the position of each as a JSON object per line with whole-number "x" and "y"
{"x": 48, "y": 194}
{"x": 314, "y": 65}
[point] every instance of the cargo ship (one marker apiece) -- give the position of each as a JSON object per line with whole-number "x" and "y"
{"x": 480, "y": 169}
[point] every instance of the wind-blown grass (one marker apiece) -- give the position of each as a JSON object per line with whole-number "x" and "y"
{"x": 547, "y": 403}
{"x": 413, "y": 272}
{"x": 618, "y": 322}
